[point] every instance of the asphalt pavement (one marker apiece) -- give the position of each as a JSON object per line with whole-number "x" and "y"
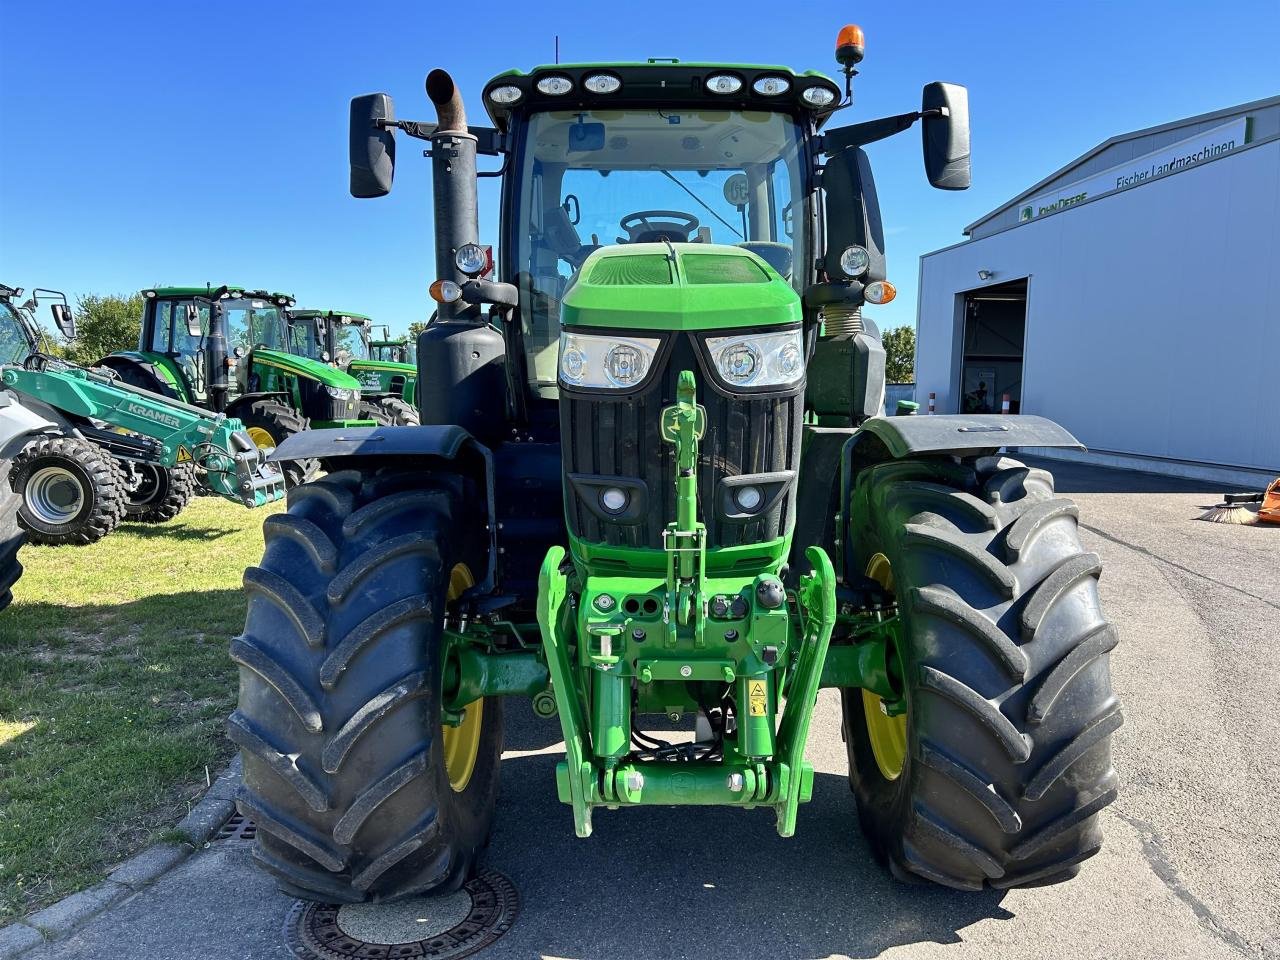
{"x": 1191, "y": 866}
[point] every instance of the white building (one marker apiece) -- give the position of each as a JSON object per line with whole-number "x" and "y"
{"x": 1133, "y": 296}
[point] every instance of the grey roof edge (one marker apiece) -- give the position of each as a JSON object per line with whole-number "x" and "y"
{"x": 1120, "y": 138}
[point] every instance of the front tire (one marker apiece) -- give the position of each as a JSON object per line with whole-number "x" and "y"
{"x": 398, "y": 412}
{"x": 357, "y": 792}
{"x": 156, "y": 494}
{"x": 70, "y": 489}
{"x": 998, "y": 768}
{"x": 269, "y": 423}
{"x": 11, "y": 537}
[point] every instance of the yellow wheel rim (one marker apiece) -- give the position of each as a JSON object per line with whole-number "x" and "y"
{"x": 261, "y": 439}
{"x": 888, "y": 735}
{"x": 462, "y": 743}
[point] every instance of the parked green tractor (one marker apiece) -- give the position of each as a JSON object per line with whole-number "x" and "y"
{"x": 227, "y": 350}
{"x": 84, "y": 451}
{"x": 655, "y": 491}
{"x": 385, "y": 368}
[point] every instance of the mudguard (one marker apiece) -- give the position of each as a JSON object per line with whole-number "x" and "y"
{"x": 432, "y": 442}
{"x": 955, "y": 434}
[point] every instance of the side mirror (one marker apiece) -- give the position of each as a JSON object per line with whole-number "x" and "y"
{"x": 193, "y": 321}
{"x": 853, "y": 213}
{"x": 237, "y": 351}
{"x": 324, "y": 356}
{"x": 64, "y": 320}
{"x": 945, "y": 135}
{"x": 373, "y": 146}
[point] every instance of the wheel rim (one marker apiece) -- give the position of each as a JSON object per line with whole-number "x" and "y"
{"x": 261, "y": 439}
{"x": 55, "y": 495}
{"x": 462, "y": 743}
{"x": 148, "y": 485}
{"x": 888, "y": 735}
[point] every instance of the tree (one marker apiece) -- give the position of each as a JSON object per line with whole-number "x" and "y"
{"x": 105, "y": 324}
{"x": 900, "y": 355}
{"x": 416, "y": 328}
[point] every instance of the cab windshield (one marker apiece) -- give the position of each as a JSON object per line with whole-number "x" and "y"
{"x": 254, "y": 323}
{"x": 350, "y": 342}
{"x": 305, "y": 338}
{"x": 593, "y": 178}
{"x": 14, "y": 346}
{"x": 390, "y": 352}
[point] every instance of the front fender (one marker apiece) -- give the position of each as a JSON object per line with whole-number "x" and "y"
{"x": 371, "y": 447}
{"x": 960, "y": 434}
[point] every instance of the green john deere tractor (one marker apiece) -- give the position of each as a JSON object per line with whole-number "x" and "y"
{"x": 654, "y": 490}
{"x": 385, "y": 369}
{"x": 82, "y": 450}
{"x": 228, "y": 350}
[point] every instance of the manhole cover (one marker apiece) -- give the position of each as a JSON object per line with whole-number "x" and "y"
{"x": 444, "y": 928}
{"x": 237, "y": 828}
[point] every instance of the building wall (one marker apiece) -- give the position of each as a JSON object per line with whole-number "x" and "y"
{"x": 1144, "y": 307}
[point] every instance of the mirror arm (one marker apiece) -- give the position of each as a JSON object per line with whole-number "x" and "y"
{"x": 488, "y": 141}
{"x": 860, "y": 134}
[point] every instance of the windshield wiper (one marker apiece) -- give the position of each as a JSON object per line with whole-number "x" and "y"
{"x": 698, "y": 201}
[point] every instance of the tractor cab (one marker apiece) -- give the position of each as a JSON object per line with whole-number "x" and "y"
{"x": 385, "y": 348}
{"x": 20, "y": 334}
{"x": 232, "y": 350}
{"x": 387, "y": 380}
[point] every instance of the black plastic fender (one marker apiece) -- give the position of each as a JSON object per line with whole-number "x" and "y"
{"x": 367, "y": 447}
{"x": 955, "y": 434}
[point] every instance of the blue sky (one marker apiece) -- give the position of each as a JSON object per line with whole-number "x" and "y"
{"x": 150, "y": 143}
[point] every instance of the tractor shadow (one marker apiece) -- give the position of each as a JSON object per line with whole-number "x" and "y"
{"x": 695, "y": 882}
{"x": 178, "y": 531}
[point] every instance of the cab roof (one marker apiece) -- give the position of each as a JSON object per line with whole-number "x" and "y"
{"x": 311, "y": 314}
{"x": 660, "y": 81}
{"x": 166, "y": 293}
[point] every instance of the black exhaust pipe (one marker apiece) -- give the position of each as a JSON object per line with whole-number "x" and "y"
{"x": 453, "y": 179}
{"x": 462, "y": 372}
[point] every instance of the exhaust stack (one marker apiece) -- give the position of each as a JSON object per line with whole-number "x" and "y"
{"x": 453, "y": 180}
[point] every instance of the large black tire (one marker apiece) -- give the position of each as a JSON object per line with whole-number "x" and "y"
{"x": 369, "y": 410}
{"x": 340, "y": 692}
{"x": 144, "y": 376}
{"x": 70, "y": 488}
{"x": 1005, "y": 667}
{"x": 11, "y": 537}
{"x": 398, "y": 412}
{"x": 270, "y": 423}
{"x": 157, "y": 494}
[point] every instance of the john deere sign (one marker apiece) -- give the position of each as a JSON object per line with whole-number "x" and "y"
{"x": 1178, "y": 156}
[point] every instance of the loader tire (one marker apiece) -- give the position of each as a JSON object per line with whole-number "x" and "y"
{"x": 158, "y": 493}
{"x": 398, "y": 412}
{"x": 997, "y": 770}
{"x": 71, "y": 491}
{"x": 339, "y": 722}
{"x": 11, "y": 537}
{"x": 269, "y": 423}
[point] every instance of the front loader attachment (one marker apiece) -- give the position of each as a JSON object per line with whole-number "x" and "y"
{"x": 134, "y": 424}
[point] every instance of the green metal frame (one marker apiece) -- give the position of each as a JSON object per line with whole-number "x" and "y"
{"x": 186, "y": 434}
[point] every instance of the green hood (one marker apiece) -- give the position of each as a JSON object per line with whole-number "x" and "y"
{"x": 306, "y": 367}
{"x": 681, "y": 286}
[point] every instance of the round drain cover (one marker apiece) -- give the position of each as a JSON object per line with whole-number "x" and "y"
{"x": 444, "y": 928}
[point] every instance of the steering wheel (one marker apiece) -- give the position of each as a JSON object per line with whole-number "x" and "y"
{"x": 650, "y": 226}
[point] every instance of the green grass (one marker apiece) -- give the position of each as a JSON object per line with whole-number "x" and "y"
{"x": 114, "y": 682}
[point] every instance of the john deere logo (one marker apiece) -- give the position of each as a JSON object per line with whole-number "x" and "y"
{"x": 1026, "y": 213}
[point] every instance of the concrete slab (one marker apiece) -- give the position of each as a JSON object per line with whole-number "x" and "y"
{"x": 1191, "y": 868}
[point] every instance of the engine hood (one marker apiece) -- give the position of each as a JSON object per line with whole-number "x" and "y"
{"x": 680, "y": 286}
{"x": 306, "y": 367}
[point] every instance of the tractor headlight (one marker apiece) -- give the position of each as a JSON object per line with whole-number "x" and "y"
{"x": 342, "y": 393}
{"x": 854, "y": 261}
{"x": 759, "y": 360}
{"x": 606, "y": 362}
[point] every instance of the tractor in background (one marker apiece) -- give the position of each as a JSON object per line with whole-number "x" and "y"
{"x": 384, "y": 368}
{"x": 83, "y": 451}
{"x": 655, "y": 491}
{"x": 227, "y": 350}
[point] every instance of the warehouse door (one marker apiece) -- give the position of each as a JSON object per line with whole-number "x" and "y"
{"x": 995, "y": 321}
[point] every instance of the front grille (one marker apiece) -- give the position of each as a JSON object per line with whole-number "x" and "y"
{"x": 610, "y": 436}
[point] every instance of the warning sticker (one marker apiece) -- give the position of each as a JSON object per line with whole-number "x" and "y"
{"x": 184, "y": 455}
{"x": 757, "y": 698}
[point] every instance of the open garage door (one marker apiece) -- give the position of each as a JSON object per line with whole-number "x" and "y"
{"x": 995, "y": 323}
